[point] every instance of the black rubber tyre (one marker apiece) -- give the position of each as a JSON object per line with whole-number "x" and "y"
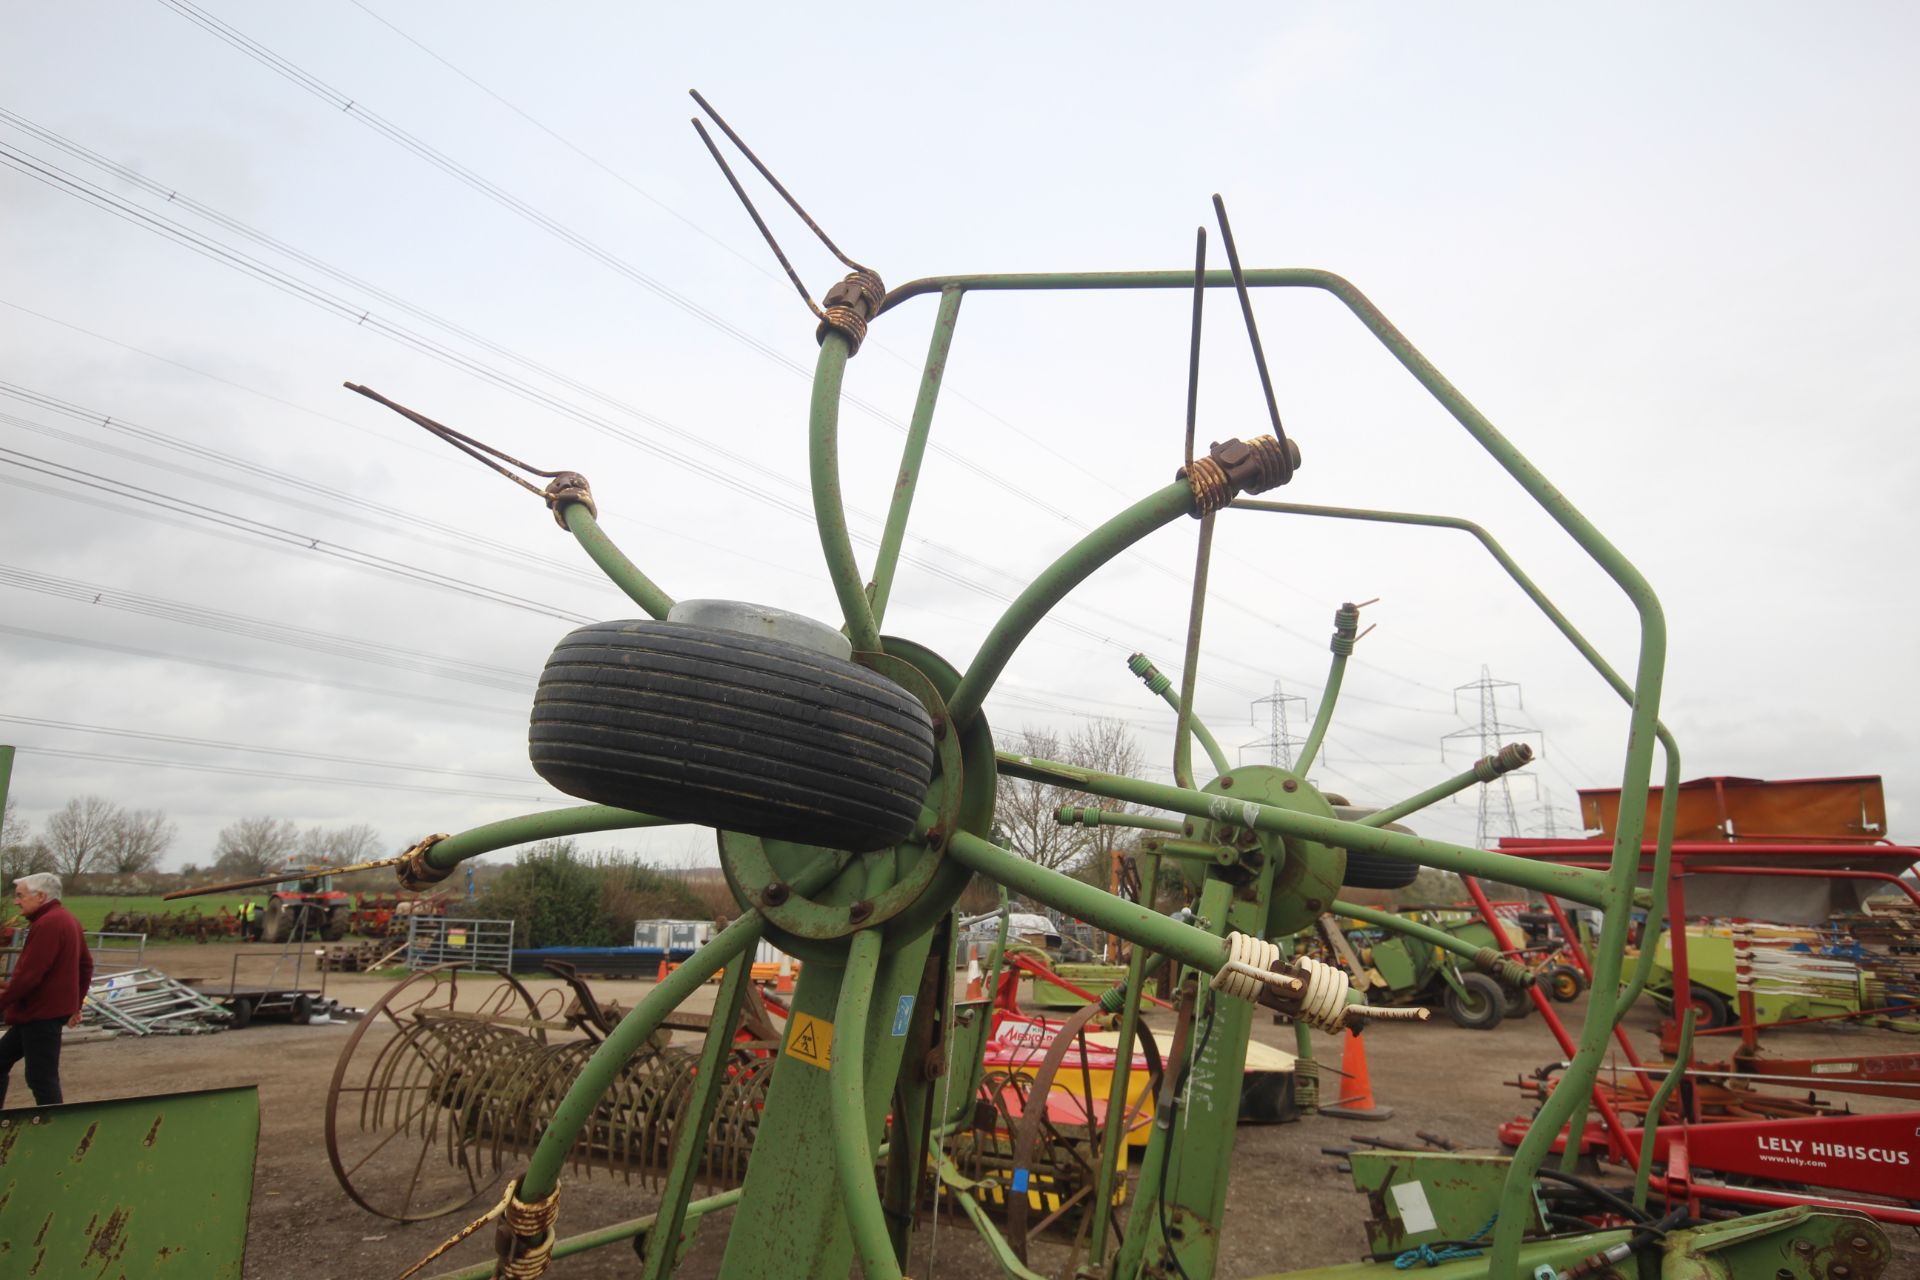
{"x": 732, "y": 731}
{"x": 239, "y": 1014}
{"x": 278, "y": 926}
{"x": 1515, "y": 1003}
{"x": 1484, "y": 1006}
{"x": 1563, "y": 983}
{"x": 1377, "y": 871}
{"x": 1713, "y": 1009}
{"x": 336, "y": 926}
{"x": 302, "y": 1010}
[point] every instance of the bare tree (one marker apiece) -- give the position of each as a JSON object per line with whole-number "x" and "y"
{"x": 254, "y": 846}
{"x": 80, "y": 834}
{"x": 20, "y": 853}
{"x": 1025, "y": 811}
{"x": 339, "y": 845}
{"x": 137, "y": 840}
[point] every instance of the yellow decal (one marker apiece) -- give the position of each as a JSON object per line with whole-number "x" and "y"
{"x": 810, "y": 1039}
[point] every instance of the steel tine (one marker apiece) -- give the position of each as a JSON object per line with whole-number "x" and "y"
{"x": 1246, "y": 310}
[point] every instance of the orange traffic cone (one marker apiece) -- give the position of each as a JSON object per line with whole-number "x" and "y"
{"x": 1356, "y": 1086}
{"x": 783, "y": 983}
{"x": 976, "y": 981}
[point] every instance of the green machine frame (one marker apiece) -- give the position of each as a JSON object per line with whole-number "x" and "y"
{"x": 882, "y": 1061}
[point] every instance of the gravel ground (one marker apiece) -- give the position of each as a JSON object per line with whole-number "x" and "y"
{"x": 1287, "y": 1206}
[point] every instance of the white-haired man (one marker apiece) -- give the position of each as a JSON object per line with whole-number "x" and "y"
{"x": 46, "y": 989}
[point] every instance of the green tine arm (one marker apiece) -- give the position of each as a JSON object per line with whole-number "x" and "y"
{"x": 1053, "y": 584}
{"x": 1581, "y": 885}
{"x": 830, "y": 510}
{"x": 613, "y": 562}
{"x": 1158, "y": 683}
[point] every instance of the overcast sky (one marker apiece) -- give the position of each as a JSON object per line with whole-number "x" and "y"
{"x": 1667, "y": 249}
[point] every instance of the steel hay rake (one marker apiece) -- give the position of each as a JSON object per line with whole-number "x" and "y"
{"x": 850, "y": 775}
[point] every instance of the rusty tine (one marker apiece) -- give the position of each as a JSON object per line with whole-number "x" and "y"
{"x": 774, "y": 182}
{"x": 1193, "y": 345}
{"x": 1253, "y": 331}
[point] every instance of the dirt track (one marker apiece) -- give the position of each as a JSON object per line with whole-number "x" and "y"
{"x": 1287, "y": 1207}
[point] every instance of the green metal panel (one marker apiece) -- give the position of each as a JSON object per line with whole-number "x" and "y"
{"x": 153, "y": 1188}
{"x": 1557, "y": 1253}
{"x": 791, "y": 1195}
{"x": 1396, "y": 960}
{"x": 1422, "y": 1197}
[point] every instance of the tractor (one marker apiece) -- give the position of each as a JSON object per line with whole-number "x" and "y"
{"x": 308, "y": 908}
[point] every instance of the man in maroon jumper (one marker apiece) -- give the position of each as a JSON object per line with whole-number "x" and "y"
{"x": 48, "y": 985}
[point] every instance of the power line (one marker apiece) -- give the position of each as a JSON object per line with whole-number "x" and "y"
{"x": 424, "y": 151}
{"x": 433, "y": 532}
{"x": 253, "y": 267}
{"x": 215, "y": 664}
{"x": 286, "y": 537}
{"x": 357, "y": 784}
{"x": 332, "y": 644}
{"x": 215, "y": 744}
{"x": 552, "y": 226}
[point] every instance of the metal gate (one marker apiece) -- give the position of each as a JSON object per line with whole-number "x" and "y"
{"x": 470, "y": 944}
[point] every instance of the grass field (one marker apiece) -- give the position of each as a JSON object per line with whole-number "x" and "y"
{"x": 91, "y": 909}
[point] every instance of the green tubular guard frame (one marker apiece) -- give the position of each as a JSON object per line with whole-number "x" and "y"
{"x": 896, "y": 1053}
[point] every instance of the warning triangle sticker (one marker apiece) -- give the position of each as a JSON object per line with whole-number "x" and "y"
{"x": 811, "y": 1040}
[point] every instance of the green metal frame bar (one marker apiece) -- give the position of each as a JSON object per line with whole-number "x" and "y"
{"x": 663, "y": 1241}
{"x": 1051, "y": 587}
{"x": 1613, "y": 890}
{"x": 1663, "y": 840}
{"x": 829, "y": 507}
{"x": 6, "y": 774}
{"x": 1323, "y": 714}
{"x": 1091, "y": 816}
{"x": 1650, "y": 1131}
{"x": 1411, "y": 928}
{"x": 852, "y": 1151}
{"x": 887, "y": 561}
{"x": 1590, "y": 887}
{"x": 1113, "y": 1134}
{"x": 1616, "y": 892}
{"x": 961, "y": 1188}
{"x": 613, "y": 562}
{"x": 530, "y": 827}
{"x": 571, "y": 1116}
{"x": 1138, "y": 924}
{"x": 1432, "y": 795}
{"x": 1157, "y": 682}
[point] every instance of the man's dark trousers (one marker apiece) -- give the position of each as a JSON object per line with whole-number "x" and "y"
{"x": 39, "y": 1043}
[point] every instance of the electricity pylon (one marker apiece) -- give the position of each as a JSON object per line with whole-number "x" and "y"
{"x": 1498, "y": 816}
{"x": 1279, "y": 741}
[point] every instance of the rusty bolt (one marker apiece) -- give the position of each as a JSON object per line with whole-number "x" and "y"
{"x": 1291, "y": 784}
{"x": 935, "y": 1064}
{"x": 1860, "y": 1244}
{"x": 1803, "y": 1246}
{"x": 1313, "y": 905}
{"x": 1226, "y": 784}
{"x": 939, "y": 727}
{"x": 936, "y": 838}
{"x": 1840, "y": 1271}
{"x": 859, "y": 911}
{"x": 1187, "y": 830}
{"x": 775, "y": 894}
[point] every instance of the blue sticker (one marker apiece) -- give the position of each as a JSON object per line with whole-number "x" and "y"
{"x": 902, "y": 1014}
{"x": 1019, "y": 1181}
